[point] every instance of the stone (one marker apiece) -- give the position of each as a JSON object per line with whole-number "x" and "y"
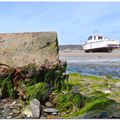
{"x": 49, "y": 105}
{"x": 13, "y": 103}
{"x": 117, "y": 84}
{"x": 115, "y": 115}
{"x": 9, "y": 117}
{"x": 20, "y": 116}
{"x": 103, "y": 115}
{"x": 35, "y": 106}
{"x": 15, "y": 111}
{"x": 50, "y": 110}
{"x": 44, "y": 114}
{"x": 20, "y": 49}
{"x": 11, "y": 114}
{"x": 50, "y": 117}
{"x": 4, "y": 100}
{"x": 6, "y": 112}
{"x": 88, "y": 115}
{"x": 75, "y": 90}
{"x": 54, "y": 113}
{"x": 106, "y": 91}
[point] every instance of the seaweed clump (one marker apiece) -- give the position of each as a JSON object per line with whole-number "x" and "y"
{"x": 30, "y": 82}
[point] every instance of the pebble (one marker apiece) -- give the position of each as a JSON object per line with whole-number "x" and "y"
{"x": 6, "y": 112}
{"x": 15, "y": 111}
{"x": 13, "y": 103}
{"x": 49, "y": 105}
{"x": 117, "y": 84}
{"x": 20, "y": 116}
{"x": 54, "y": 113}
{"x": 50, "y": 110}
{"x": 103, "y": 115}
{"x": 11, "y": 114}
{"x": 9, "y": 117}
{"x": 50, "y": 117}
{"x": 107, "y": 91}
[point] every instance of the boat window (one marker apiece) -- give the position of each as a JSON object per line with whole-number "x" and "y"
{"x": 100, "y": 37}
{"x": 94, "y": 37}
{"x": 90, "y": 37}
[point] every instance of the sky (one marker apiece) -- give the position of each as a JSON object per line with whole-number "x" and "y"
{"x": 73, "y": 21}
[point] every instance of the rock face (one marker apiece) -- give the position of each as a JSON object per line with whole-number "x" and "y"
{"x": 20, "y": 49}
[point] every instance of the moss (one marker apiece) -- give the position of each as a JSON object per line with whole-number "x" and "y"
{"x": 69, "y": 102}
{"x": 98, "y": 104}
{"x": 37, "y": 91}
{"x": 94, "y": 105}
{"x": 90, "y": 87}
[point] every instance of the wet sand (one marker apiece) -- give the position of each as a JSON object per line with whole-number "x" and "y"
{"x": 80, "y": 54}
{"x": 99, "y": 64}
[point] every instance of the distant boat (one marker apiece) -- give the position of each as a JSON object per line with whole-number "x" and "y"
{"x": 97, "y": 43}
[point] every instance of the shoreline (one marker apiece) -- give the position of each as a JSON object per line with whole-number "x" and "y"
{"x": 100, "y": 64}
{"x": 81, "y": 55}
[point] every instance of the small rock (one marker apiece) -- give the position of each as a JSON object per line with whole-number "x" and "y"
{"x": 13, "y": 103}
{"x": 88, "y": 115}
{"x": 54, "y": 113}
{"x": 6, "y": 112}
{"x": 50, "y": 117}
{"x": 20, "y": 116}
{"x": 106, "y": 91}
{"x": 49, "y": 105}
{"x": 15, "y": 111}
{"x": 44, "y": 114}
{"x": 4, "y": 100}
{"x": 117, "y": 84}
{"x": 115, "y": 115}
{"x": 9, "y": 117}
{"x": 103, "y": 115}
{"x": 11, "y": 114}
{"x": 50, "y": 110}
{"x": 35, "y": 106}
{"x": 75, "y": 89}
{"x": 6, "y": 105}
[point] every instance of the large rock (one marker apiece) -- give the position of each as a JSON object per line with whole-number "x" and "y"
{"x": 20, "y": 49}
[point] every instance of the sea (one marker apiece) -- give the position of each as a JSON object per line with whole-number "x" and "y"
{"x": 97, "y": 67}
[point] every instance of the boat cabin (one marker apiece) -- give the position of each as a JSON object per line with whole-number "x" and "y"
{"x": 95, "y": 37}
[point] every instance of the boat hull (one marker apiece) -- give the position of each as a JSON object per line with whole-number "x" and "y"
{"x": 104, "y": 49}
{"x": 100, "y": 46}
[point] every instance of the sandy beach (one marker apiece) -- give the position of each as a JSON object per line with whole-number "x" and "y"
{"x": 80, "y": 54}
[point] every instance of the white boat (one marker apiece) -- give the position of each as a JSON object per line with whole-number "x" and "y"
{"x": 98, "y": 43}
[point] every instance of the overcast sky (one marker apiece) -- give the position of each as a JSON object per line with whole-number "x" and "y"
{"x": 73, "y": 21}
